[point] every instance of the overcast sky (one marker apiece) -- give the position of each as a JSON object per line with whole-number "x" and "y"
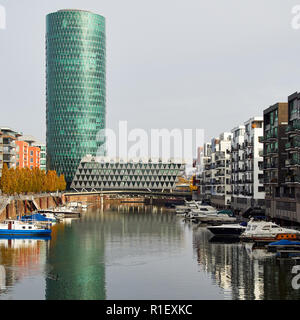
{"x": 170, "y": 63}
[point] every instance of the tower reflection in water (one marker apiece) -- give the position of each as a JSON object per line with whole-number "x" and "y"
{"x": 104, "y": 236}
{"x": 244, "y": 271}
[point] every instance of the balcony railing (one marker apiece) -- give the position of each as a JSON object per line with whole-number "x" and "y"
{"x": 292, "y": 162}
{"x": 272, "y": 165}
{"x": 293, "y": 127}
{"x": 292, "y": 144}
{"x": 271, "y": 135}
{"x": 271, "y": 149}
{"x": 292, "y": 179}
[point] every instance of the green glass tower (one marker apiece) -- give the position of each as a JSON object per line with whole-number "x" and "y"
{"x": 75, "y": 88}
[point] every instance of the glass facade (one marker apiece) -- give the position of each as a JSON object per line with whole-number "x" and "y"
{"x": 76, "y": 88}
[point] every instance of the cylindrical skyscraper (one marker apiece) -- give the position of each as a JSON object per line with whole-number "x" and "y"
{"x": 76, "y": 88}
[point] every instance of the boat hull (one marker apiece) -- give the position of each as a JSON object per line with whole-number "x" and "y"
{"x": 25, "y": 232}
{"x": 215, "y": 219}
{"x": 27, "y": 236}
{"x": 226, "y": 232}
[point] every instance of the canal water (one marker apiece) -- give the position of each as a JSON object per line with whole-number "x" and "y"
{"x": 133, "y": 251}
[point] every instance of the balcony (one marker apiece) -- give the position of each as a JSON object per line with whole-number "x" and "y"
{"x": 292, "y": 162}
{"x": 295, "y": 144}
{"x": 272, "y": 180}
{"x": 271, "y": 150}
{"x": 271, "y": 136}
{"x": 10, "y": 151}
{"x": 293, "y": 128}
{"x": 272, "y": 165}
{"x": 292, "y": 179}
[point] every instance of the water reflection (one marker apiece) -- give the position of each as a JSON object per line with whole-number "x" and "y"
{"x": 244, "y": 271}
{"x": 20, "y": 258}
{"x": 2, "y": 278}
{"x": 81, "y": 250}
{"x": 133, "y": 251}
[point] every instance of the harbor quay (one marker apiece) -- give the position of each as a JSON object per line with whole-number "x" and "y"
{"x": 13, "y": 206}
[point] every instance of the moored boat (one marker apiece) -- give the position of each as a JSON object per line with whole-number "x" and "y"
{"x": 227, "y": 230}
{"x": 286, "y": 245}
{"x": 38, "y": 216}
{"x": 201, "y": 210}
{"x": 17, "y": 227}
{"x": 216, "y": 217}
{"x": 65, "y": 212}
{"x": 267, "y": 231}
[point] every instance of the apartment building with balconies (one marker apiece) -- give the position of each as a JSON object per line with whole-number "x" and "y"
{"x": 205, "y": 174}
{"x": 237, "y": 163}
{"x": 288, "y": 206}
{"x": 275, "y": 138}
{"x": 8, "y": 147}
{"x": 220, "y": 171}
{"x": 37, "y": 152}
{"x": 253, "y": 161}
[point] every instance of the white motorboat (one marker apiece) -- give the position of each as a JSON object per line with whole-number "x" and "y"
{"x": 20, "y": 228}
{"x": 266, "y": 231}
{"x": 214, "y": 216}
{"x": 65, "y": 212}
{"x": 227, "y": 230}
{"x": 77, "y": 206}
{"x": 201, "y": 210}
{"x": 185, "y": 208}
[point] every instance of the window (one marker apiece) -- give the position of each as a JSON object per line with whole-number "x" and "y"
{"x": 31, "y": 153}
{"x": 31, "y": 160}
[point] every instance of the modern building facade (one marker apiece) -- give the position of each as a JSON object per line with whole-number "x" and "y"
{"x": 27, "y": 156}
{"x": 103, "y": 173}
{"x": 76, "y": 88}
{"x": 283, "y": 197}
{"x": 237, "y": 162}
{"x": 8, "y": 147}
{"x": 35, "y": 147}
{"x": 275, "y": 139}
{"x": 215, "y": 184}
{"x": 247, "y": 165}
{"x": 205, "y": 173}
{"x": 291, "y": 188}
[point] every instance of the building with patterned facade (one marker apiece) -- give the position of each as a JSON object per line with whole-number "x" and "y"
{"x": 103, "y": 173}
{"x": 75, "y": 89}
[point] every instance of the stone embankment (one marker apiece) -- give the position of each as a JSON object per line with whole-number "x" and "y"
{"x": 12, "y": 206}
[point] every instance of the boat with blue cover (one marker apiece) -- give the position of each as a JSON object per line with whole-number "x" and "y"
{"x": 39, "y": 217}
{"x": 21, "y": 228}
{"x": 284, "y": 245}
